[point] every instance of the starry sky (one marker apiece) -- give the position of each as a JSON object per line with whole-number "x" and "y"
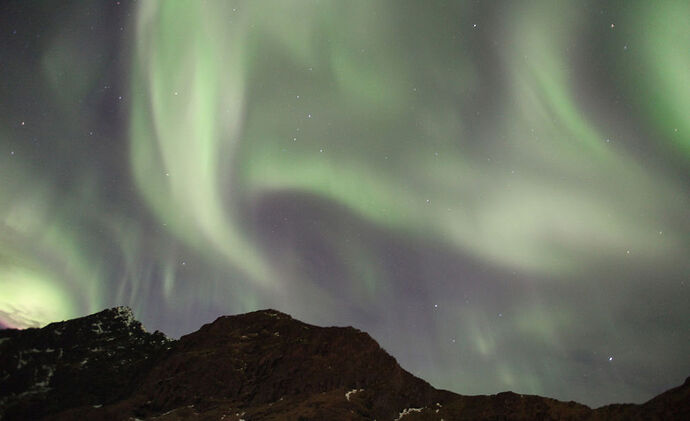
{"x": 497, "y": 192}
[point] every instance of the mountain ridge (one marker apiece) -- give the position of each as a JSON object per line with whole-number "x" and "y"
{"x": 262, "y": 365}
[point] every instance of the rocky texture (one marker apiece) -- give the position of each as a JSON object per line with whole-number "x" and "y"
{"x": 257, "y": 366}
{"x": 93, "y": 360}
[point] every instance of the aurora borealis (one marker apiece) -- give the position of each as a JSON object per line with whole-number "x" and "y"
{"x": 497, "y": 192}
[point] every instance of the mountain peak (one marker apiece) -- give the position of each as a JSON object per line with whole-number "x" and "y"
{"x": 269, "y": 312}
{"x": 266, "y": 315}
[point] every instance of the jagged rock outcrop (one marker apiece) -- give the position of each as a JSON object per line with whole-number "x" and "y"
{"x": 262, "y": 365}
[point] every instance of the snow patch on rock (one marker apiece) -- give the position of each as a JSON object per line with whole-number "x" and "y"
{"x": 44, "y": 383}
{"x": 351, "y": 392}
{"x": 97, "y": 328}
{"x": 408, "y": 411}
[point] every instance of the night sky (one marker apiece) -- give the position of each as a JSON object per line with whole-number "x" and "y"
{"x": 498, "y": 192}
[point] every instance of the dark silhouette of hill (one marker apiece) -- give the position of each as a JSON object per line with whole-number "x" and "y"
{"x": 262, "y": 365}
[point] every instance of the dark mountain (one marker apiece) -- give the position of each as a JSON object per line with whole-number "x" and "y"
{"x": 256, "y": 366}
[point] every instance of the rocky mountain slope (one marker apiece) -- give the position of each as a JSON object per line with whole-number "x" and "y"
{"x": 262, "y": 365}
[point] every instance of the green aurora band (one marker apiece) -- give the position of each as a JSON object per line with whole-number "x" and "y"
{"x": 200, "y": 147}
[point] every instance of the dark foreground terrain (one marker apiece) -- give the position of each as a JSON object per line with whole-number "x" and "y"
{"x": 263, "y": 365}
